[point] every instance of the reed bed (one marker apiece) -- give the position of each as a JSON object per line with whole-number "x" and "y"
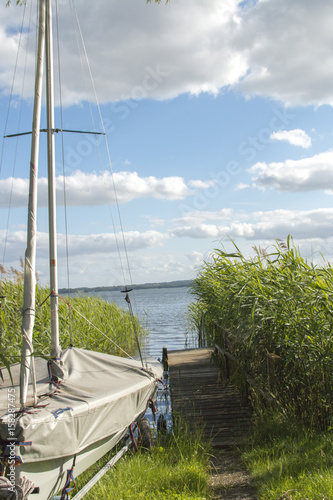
{"x": 108, "y": 329}
{"x": 273, "y": 303}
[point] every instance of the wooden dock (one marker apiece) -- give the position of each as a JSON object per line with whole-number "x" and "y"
{"x": 198, "y": 395}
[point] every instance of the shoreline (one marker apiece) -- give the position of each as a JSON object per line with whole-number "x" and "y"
{"x": 117, "y": 288}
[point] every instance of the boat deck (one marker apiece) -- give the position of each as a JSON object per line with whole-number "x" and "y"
{"x": 199, "y": 396}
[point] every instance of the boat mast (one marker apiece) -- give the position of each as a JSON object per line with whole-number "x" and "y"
{"x": 51, "y": 184}
{"x": 28, "y": 315}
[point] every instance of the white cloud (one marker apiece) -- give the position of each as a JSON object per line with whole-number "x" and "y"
{"x": 242, "y": 186}
{"x": 295, "y": 137}
{"x": 276, "y": 49}
{"x": 305, "y": 224}
{"x": 91, "y": 189}
{"x": 313, "y": 229}
{"x": 168, "y": 266}
{"x": 287, "y": 50}
{"x": 307, "y": 174}
{"x": 272, "y": 224}
{"x": 198, "y": 184}
{"x": 200, "y": 215}
{"x": 196, "y": 231}
{"x": 140, "y": 50}
{"x": 84, "y": 245}
{"x": 154, "y": 221}
{"x": 195, "y": 257}
{"x": 97, "y": 252}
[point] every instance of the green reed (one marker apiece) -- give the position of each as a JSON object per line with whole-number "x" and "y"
{"x": 108, "y": 329}
{"x": 275, "y": 302}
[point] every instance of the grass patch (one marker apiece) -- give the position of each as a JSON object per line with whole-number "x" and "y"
{"x": 108, "y": 319}
{"x": 288, "y": 461}
{"x": 177, "y": 468}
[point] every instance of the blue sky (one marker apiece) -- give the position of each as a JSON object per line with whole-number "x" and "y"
{"x": 219, "y": 125}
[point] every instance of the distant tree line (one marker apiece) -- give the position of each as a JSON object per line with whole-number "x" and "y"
{"x": 119, "y": 288}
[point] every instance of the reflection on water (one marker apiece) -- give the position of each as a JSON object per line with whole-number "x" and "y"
{"x": 164, "y": 312}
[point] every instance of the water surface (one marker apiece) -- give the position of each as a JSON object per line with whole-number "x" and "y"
{"x": 164, "y": 311}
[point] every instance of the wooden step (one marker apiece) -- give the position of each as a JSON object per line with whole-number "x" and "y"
{"x": 200, "y": 397}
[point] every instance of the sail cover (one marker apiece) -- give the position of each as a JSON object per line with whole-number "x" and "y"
{"x": 100, "y": 396}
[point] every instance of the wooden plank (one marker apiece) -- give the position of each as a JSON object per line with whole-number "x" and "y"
{"x": 199, "y": 395}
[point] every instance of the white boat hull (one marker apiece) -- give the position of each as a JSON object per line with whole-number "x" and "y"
{"x": 51, "y": 475}
{"x": 85, "y": 417}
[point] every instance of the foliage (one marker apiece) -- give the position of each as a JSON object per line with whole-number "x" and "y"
{"x": 276, "y": 303}
{"x": 104, "y": 319}
{"x": 18, "y": 2}
{"x": 290, "y": 462}
{"x": 177, "y": 468}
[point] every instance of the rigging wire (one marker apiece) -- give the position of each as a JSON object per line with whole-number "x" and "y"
{"x": 133, "y": 322}
{"x": 18, "y": 126}
{"x": 63, "y": 171}
{"x": 106, "y": 143}
{"x": 89, "y": 322}
{"x": 113, "y": 181}
{"x": 63, "y": 161}
{"x": 79, "y": 37}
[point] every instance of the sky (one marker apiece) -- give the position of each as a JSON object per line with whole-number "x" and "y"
{"x": 218, "y": 122}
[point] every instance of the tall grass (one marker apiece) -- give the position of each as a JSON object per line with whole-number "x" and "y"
{"x": 111, "y": 321}
{"x": 290, "y": 462}
{"x": 275, "y": 302}
{"x": 177, "y": 468}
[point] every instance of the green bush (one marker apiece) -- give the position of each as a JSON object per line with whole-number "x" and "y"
{"x": 90, "y": 323}
{"x": 177, "y": 468}
{"x": 275, "y": 302}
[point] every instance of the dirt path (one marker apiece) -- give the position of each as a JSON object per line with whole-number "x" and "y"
{"x": 230, "y": 481}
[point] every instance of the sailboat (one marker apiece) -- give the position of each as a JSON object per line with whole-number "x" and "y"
{"x": 78, "y": 404}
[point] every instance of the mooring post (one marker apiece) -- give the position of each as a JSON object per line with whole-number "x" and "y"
{"x": 271, "y": 358}
{"x": 227, "y": 360}
{"x": 202, "y": 331}
{"x": 165, "y": 359}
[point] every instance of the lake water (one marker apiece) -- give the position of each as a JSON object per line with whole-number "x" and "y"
{"x": 164, "y": 311}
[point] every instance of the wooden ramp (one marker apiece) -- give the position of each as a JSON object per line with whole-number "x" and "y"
{"x": 197, "y": 394}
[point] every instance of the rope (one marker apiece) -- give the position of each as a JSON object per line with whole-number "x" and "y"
{"x": 6, "y": 123}
{"x": 3, "y": 464}
{"x": 58, "y": 412}
{"x": 128, "y": 300}
{"x": 64, "y": 174}
{"x": 70, "y": 478}
{"x": 7, "y": 489}
{"x": 10, "y": 491}
{"x": 133, "y": 426}
{"x": 32, "y": 364}
{"x": 152, "y": 406}
{"x": 13, "y": 81}
{"x": 89, "y": 322}
{"x": 79, "y": 37}
{"x": 104, "y": 133}
{"x": 52, "y": 381}
{"x": 111, "y": 170}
